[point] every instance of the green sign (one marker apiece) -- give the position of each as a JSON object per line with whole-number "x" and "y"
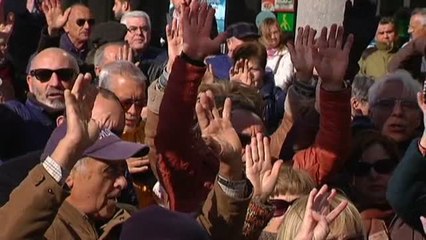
{"x": 287, "y": 21}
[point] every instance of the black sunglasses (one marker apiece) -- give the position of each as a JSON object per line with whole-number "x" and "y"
{"x": 128, "y": 103}
{"x": 80, "y": 22}
{"x": 44, "y": 75}
{"x": 383, "y": 166}
{"x": 281, "y": 206}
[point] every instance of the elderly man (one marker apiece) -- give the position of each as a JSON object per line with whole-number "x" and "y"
{"x": 393, "y": 107}
{"x": 128, "y": 83}
{"x": 139, "y": 35}
{"x": 374, "y": 61}
{"x": 417, "y": 26}
{"x": 16, "y": 169}
{"x": 70, "y": 30}
{"x": 52, "y": 71}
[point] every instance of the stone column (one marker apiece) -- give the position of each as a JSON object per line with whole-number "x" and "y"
{"x": 320, "y": 13}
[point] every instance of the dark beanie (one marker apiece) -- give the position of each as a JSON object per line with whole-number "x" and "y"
{"x": 157, "y": 223}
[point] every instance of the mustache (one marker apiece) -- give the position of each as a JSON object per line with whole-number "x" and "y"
{"x": 53, "y": 91}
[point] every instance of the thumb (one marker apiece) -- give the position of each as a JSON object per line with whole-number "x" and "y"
{"x": 221, "y": 38}
{"x": 67, "y": 13}
{"x": 276, "y": 168}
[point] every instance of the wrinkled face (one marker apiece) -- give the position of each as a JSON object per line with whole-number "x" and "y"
{"x": 95, "y": 187}
{"x": 233, "y": 43}
{"x": 372, "y": 184}
{"x": 396, "y": 113}
{"x": 386, "y": 33}
{"x": 132, "y": 97}
{"x": 119, "y": 8}
{"x": 417, "y": 28}
{"x": 274, "y": 37}
{"x": 79, "y": 24}
{"x": 116, "y": 120}
{"x": 138, "y": 34}
{"x": 51, "y": 91}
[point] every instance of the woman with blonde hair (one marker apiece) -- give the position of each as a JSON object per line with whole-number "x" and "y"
{"x": 278, "y": 61}
{"x": 322, "y": 215}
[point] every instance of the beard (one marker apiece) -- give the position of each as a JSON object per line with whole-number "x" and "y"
{"x": 55, "y": 104}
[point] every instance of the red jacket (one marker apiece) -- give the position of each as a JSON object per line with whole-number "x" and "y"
{"x": 331, "y": 145}
{"x": 187, "y": 167}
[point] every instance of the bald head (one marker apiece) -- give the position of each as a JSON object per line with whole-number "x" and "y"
{"x": 50, "y": 56}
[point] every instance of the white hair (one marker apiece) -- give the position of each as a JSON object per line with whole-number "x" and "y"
{"x": 120, "y": 68}
{"x": 410, "y": 86}
{"x": 422, "y": 13}
{"x": 135, "y": 14}
{"x": 98, "y": 60}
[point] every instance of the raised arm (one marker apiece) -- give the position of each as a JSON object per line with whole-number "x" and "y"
{"x": 187, "y": 167}
{"x": 40, "y": 195}
{"x": 325, "y": 156}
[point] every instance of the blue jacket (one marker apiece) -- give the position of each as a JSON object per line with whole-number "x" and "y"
{"x": 29, "y": 124}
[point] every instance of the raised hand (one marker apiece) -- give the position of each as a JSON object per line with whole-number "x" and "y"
{"x": 259, "y": 169}
{"x": 331, "y": 57}
{"x": 196, "y": 21}
{"x": 55, "y": 17}
{"x": 174, "y": 42}
{"x": 319, "y": 215}
{"x": 301, "y": 53}
{"x": 82, "y": 129}
{"x": 217, "y": 131}
{"x": 241, "y": 73}
{"x": 208, "y": 77}
{"x": 138, "y": 165}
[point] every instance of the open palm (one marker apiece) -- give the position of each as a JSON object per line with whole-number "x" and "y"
{"x": 330, "y": 56}
{"x": 55, "y": 17}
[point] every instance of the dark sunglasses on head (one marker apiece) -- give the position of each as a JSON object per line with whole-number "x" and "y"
{"x": 384, "y": 166}
{"x": 80, "y": 22}
{"x": 44, "y": 75}
{"x": 281, "y": 206}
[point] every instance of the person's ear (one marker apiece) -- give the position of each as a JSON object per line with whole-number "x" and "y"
{"x": 60, "y": 120}
{"x": 29, "y": 83}
{"x": 126, "y": 6}
{"x": 69, "y": 181}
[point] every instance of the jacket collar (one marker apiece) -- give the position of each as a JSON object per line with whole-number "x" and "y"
{"x": 66, "y": 44}
{"x": 43, "y": 113}
{"x": 77, "y": 221}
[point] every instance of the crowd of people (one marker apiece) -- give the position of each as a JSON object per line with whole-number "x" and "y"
{"x": 104, "y": 136}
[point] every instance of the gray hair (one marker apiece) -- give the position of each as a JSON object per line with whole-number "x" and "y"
{"x": 100, "y": 52}
{"x": 135, "y": 14}
{"x": 360, "y": 87}
{"x": 422, "y": 12}
{"x": 410, "y": 85}
{"x": 120, "y": 68}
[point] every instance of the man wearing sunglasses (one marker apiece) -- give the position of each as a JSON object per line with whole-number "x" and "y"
{"x": 69, "y": 29}
{"x": 52, "y": 71}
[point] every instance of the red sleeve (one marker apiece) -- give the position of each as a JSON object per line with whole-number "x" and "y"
{"x": 326, "y": 155}
{"x": 186, "y": 166}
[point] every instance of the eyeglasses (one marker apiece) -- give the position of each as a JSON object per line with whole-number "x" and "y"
{"x": 133, "y": 29}
{"x": 383, "y": 166}
{"x": 281, "y": 206}
{"x": 128, "y": 103}
{"x": 44, "y": 75}
{"x": 81, "y": 21}
{"x": 389, "y": 104}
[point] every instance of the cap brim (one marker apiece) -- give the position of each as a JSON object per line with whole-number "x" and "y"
{"x": 120, "y": 150}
